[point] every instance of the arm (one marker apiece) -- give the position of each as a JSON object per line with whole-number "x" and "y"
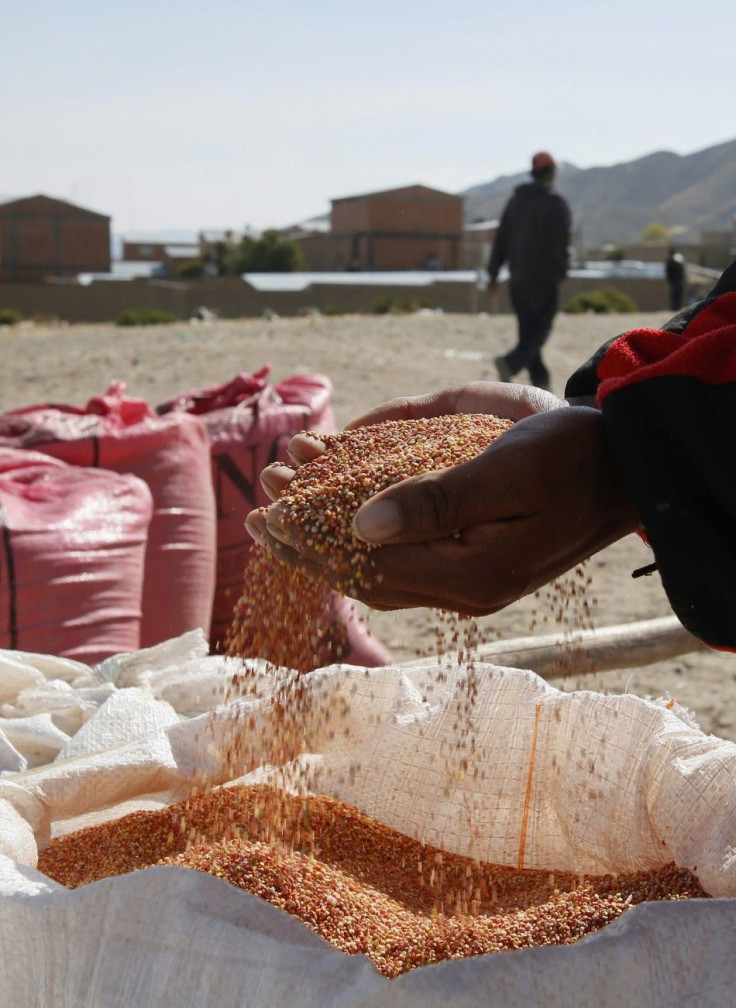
{"x": 499, "y": 252}
{"x": 668, "y": 404}
{"x": 564, "y": 229}
{"x": 568, "y": 480}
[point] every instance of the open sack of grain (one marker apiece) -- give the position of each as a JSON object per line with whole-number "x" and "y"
{"x": 480, "y": 761}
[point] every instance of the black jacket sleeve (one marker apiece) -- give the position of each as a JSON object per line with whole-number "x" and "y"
{"x": 500, "y": 250}
{"x": 560, "y": 228}
{"x": 668, "y": 402}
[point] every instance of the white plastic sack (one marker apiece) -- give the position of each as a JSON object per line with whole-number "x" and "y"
{"x": 56, "y": 709}
{"x": 176, "y": 938}
{"x": 568, "y": 781}
{"x": 573, "y": 781}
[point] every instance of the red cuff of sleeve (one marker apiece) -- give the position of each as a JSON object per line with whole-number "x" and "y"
{"x": 706, "y": 350}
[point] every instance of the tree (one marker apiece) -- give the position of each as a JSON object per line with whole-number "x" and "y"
{"x": 615, "y": 253}
{"x": 655, "y": 232}
{"x": 224, "y": 257}
{"x": 273, "y": 252}
{"x": 193, "y": 269}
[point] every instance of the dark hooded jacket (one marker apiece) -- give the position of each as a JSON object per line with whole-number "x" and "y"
{"x": 533, "y": 236}
{"x": 668, "y": 400}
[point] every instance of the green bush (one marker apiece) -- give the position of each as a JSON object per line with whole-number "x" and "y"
{"x": 600, "y": 302}
{"x": 273, "y": 252}
{"x": 10, "y": 316}
{"x": 191, "y": 270}
{"x": 45, "y": 319}
{"x": 384, "y": 304}
{"x": 619, "y": 301}
{"x": 616, "y": 253}
{"x": 144, "y": 316}
{"x": 580, "y": 304}
{"x": 389, "y": 304}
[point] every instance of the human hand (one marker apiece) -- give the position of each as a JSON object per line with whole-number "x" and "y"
{"x": 478, "y": 536}
{"x": 502, "y": 399}
{"x": 475, "y": 537}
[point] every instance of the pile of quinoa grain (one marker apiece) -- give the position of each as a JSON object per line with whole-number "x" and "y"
{"x": 284, "y": 617}
{"x": 356, "y": 882}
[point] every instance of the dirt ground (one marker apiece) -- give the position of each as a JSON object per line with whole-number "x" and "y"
{"x": 370, "y": 359}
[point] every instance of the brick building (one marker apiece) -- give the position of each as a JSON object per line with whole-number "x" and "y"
{"x": 410, "y": 228}
{"x": 143, "y": 249}
{"x": 413, "y": 227}
{"x": 478, "y": 242}
{"x": 42, "y": 237}
{"x": 139, "y": 248}
{"x": 167, "y": 255}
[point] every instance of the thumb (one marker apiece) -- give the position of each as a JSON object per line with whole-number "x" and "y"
{"x": 429, "y": 506}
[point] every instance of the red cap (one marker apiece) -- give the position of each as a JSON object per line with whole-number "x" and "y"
{"x": 543, "y": 160}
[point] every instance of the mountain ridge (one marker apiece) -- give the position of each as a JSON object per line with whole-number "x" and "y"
{"x": 689, "y": 193}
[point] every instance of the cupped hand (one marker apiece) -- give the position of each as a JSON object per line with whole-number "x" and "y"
{"x": 502, "y": 399}
{"x": 506, "y": 400}
{"x": 475, "y": 537}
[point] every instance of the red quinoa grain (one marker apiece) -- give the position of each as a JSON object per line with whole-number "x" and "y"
{"x": 360, "y": 885}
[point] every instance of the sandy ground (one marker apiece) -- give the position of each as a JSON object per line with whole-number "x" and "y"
{"x": 370, "y": 359}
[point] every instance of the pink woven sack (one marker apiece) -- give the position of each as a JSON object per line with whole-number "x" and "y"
{"x": 171, "y": 454}
{"x": 71, "y": 558}
{"x": 250, "y": 422}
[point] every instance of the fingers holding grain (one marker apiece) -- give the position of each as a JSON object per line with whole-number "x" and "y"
{"x": 305, "y": 447}
{"x": 275, "y": 478}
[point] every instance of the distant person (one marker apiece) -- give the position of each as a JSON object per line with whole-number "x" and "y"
{"x": 534, "y": 239}
{"x": 674, "y": 268}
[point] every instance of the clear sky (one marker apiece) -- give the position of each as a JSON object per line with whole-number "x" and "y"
{"x": 225, "y": 113}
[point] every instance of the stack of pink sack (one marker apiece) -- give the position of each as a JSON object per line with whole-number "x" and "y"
{"x": 71, "y": 557}
{"x": 198, "y": 459}
{"x": 171, "y": 455}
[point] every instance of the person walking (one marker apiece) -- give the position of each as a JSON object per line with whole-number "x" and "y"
{"x": 534, "y": 239}
{"x": 674, "y": 269}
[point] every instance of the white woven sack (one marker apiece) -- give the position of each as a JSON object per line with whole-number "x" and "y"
{"x": 572, "y": 781}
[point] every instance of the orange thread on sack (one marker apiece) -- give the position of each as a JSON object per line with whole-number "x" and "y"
{"x": 528, "y": 792}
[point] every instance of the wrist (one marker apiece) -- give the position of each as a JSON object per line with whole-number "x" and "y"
{"x": 621, "y": 515}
